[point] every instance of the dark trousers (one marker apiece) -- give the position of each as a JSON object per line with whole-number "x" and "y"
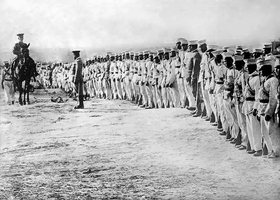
{"x": 79, "y": 89}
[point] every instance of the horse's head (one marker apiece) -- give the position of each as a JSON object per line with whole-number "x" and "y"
{"x": 25, "y": 52}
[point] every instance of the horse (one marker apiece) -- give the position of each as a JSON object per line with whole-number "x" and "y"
{"x": 23, "y": 74}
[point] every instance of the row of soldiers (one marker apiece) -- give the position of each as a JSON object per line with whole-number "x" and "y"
{"x": 236, "y": 90}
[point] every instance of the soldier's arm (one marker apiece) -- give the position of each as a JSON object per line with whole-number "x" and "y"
{"x": 190, "y": 70}
{"x": 270, "y": 109}
{"x": 16, "y": 49}
{"x": 256, "y": 88}
{"x": 196, "y": 66}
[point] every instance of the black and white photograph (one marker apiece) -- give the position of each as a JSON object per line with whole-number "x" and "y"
{"x": 140, "y": 100}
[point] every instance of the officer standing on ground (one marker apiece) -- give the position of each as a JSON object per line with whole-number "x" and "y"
{"x": 78, "y": 78}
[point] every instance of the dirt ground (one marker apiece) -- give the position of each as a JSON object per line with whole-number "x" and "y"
{"x": 115, "y": 150}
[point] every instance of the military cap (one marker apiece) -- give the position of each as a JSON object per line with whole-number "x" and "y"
{"x": 136, "y": 54}
{"x": 217, "y": 52}
{"x": 76, "y": 52}
{"x": 257, "y": 50}
{"x": 140, "y": 53}
{"x": 239, "y": 47}
{"x": 225, "y": 47}
{"x": 251, "y": 61}
{"x": 193, "y": 42}
{"x": 201, "y": 42}
{"x": 267, "y": 45}
{"x": 238, "y": 57}
{"x": 174, "y": 49}
{"x": 184, "y": 41}
{"x": 211, "y": 47}
{"x": 227, "y": 54}
{"x": 264, "y": 63}
{"x": 165, "y": 50}
{"x": 20, "y": 34}
{"x": 246, "y": 50}
{"x": 6, "y": 62}
{"x": 146, "y": 52}
{"x": 159, "y": 51}
{"x": 238, "y": 52}
{"x": 179, "y": 40}
{"x": 131, "y": 53}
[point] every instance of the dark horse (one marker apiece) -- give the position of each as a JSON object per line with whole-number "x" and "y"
{"x": 23, "y": 74}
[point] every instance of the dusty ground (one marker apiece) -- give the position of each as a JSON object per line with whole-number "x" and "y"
{"x": 115, "y": 150}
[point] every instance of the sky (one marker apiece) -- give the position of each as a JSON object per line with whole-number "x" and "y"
{"x": 56, "y": 27}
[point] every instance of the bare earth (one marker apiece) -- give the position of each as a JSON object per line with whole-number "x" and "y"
{"x": 115, "y": 150}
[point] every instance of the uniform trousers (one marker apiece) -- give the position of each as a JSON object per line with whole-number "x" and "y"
{"x": 9, "y": 91}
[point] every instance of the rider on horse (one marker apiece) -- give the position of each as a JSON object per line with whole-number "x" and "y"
{"x": 18, "y": 51}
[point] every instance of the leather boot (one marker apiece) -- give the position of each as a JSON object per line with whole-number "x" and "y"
{"x": 81, "y": 103}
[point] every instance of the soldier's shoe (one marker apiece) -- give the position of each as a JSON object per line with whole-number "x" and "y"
{"x": 233, "y": 141}
{"x": 229, "y": 139}
{"x": 223, "y": 133}
{"x": 214, "y": 124}
{"x": 193, "y": 112}
{"x": 79, "y": 107}
{"x": 191, "y": 108}
{"x": 142, "y": 106}
{"x": 207, "y": 119}
{"x": 272, "y": 155}
{"x": 220, "y": 129}
{"x": 251, "y": 152}
{"x": 258, "y": 153}
{"x": 198, "y": 114}
{"x": 242, "y": 147}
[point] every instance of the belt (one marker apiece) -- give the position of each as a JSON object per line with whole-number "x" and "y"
{"x": 264, "y": 100}
{"x": 7, "y": 79}
{"x": 139, "y": 75}
{"x": 220, "y": 82}
{"x": 250, "y": 99}
{"x": 177, "y": 67}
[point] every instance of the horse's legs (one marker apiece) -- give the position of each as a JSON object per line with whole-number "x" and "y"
{"x": 27, "y": 92}
{"x": 20, "y": 92}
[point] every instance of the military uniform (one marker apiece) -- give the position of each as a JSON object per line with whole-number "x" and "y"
{"x": 251, "y": 104}
{"x": 267, "y": 105}
{"x": 78, "y": 78}
{"x": 8, "y": 84}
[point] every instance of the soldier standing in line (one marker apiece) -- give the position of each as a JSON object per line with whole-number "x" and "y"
{"x": 148, "y": 82}
{"x": 179, "y": 74}
{"x": 174, "y": 66}
{"x": 249, "y": 109}
{"x": 112, "y": 76}
{"x": 78, "y": 78}
{"x": 209, "y": 85}
{"x": 192, "y": 62}
{"x": 201, "y": 84}
{"x": 267, "y": 106}
{"x": 219, "y": 72}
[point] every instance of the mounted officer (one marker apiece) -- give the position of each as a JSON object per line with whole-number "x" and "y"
{"x": 18, "y": 51}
